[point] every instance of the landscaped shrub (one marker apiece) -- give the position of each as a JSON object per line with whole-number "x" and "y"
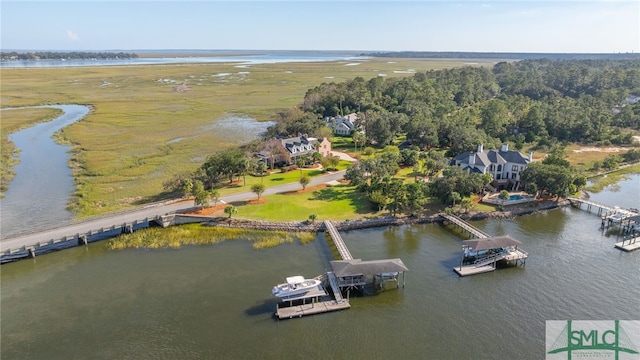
{"x": 288, "y": 168}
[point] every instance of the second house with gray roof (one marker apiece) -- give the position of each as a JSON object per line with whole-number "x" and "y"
{"x": 504, "y": 165}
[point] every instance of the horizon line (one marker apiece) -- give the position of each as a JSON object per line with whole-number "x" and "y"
{"x": 326, "y": 50}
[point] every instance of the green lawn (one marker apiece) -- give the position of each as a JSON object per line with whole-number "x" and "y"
{"x": 340, "y": 202}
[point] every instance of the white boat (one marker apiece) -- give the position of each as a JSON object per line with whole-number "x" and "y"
{"x": 295, "y": 286}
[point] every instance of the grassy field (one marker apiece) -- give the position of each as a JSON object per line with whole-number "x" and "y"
{"x": 340, "y": 202}
{"x": 151, "y": 122}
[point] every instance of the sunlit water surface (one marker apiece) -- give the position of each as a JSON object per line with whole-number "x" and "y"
{"x": 214, "y": 302}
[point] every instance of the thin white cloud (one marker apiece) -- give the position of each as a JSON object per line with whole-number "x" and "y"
{"x": 72, "y": 36}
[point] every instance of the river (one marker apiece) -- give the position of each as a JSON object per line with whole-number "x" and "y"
{"x": 242, "y": 58}
{"x": 214, "y": 302}
{"x": 38, "y": 195}
{"x": 40, "y": 191}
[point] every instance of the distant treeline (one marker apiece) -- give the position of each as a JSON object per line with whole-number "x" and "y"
{"x": 542, "y": 102}
{"x": 502, "y": 56}
{"x": 64, "y": 55}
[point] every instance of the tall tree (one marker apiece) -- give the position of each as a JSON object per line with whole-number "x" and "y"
{"x": 258, "y": 189}
{"x": 304, "y": 181}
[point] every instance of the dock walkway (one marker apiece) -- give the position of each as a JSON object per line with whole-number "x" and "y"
{"x": 337, "y": 239}
{"x": 479, "y": 234}
{"x": 333, "y": 281}
{"x": 609, "y": 209}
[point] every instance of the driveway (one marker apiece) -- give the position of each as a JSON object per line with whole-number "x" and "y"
{"x": 343, "y": 156}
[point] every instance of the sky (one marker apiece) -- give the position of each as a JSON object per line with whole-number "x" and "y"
{"x": 591, "y": 26}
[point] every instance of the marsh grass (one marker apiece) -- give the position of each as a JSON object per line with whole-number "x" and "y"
{"x": 599, "y": 183}
{"x": 123, "y": 151}
{"x": 186, "y": 235}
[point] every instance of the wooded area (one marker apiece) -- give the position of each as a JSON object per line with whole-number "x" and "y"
{"x": 544, "y": 102}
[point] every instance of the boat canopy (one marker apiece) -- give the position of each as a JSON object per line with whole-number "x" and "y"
{"x": 356, "y": 267}
{"x": 295, "y": 280}
{"x": 497, "y": 242}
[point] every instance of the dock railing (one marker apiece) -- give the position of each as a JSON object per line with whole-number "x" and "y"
{"x": 489, "y": 259}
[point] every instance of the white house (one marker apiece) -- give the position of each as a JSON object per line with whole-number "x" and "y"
{"x": 504, "y": 165}
{"x": 342, "y": 125}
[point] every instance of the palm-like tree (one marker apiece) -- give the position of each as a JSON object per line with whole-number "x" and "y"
{"x": 230, "y": 210}
{"x": 261, "y": 168}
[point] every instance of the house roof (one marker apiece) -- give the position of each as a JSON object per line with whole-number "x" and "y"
{"x": 358, "y": 267}
{"x": 488, "y": 157}
{"x": 340, "y": 122}
{"x": 290, "y": 143}
{"x": 497, "y": 242}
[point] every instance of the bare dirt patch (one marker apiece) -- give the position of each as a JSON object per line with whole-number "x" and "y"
{"x": 599, "y": 149}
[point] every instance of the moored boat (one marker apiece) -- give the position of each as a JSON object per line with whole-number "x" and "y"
{"x": 295, "y": 286}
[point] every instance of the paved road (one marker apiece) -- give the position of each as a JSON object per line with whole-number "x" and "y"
{"x": 150, "y": 211}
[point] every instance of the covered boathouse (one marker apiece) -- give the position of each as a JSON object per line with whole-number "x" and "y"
{"x": 482, "y": 255}
{"x": 355, "y": 273}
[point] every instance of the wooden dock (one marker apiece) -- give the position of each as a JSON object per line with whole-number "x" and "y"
{"x": 477, "y": 233}
{"x": 319, "y": 307}
{"x": 337, "y": 239}
{"x": 601, "y": 207}
{"x": 315, "y": 306}
{"x": 629, "y": 244}
{"x": 467, "y": 270}
{"x": 487, "y": 263}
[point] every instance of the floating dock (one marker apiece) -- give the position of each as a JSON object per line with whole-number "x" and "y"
{"x": 346, "y": 274}
{"x": 467, "y": 270}
{"x": 319, "y": 307}
{"x": 316, "y": 306}
{"x": 629, "y": 245}
{"x": 499, "y": 248}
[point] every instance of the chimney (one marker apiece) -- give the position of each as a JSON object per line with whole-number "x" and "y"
{"x": 505, "y": 147}
{"x": 530, "y": 156}
{"x": 472, "y": 159}
{"x": 480, "y": 148}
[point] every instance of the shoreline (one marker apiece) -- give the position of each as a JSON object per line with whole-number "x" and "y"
{"x": 289, "y": 227}
{"x": 346, "y": 225}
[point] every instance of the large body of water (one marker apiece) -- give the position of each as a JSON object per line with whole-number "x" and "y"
{"x": 240, "y": 57}
{"x": 214, "y": 302}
